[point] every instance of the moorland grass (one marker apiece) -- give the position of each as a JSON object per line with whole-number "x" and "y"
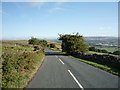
{"x": 19, "y": 65}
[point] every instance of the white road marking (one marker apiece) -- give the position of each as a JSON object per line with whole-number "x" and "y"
{"x": 76, "y": 80}
{"x": 56, "y": 56}
{"x": 61, "y": 61}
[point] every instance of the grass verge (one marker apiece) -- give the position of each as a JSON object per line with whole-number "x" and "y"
{"x": 103, "y": 67}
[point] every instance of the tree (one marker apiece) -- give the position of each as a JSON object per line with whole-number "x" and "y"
{"x": 35, "y": 41}
{"x": 99, "y": 50}
{"x": 48, "y": 45}
{"x": 52, "y": 45}
{"x": 73, "y": 44}
{"x": 43, "y": 43}
{"x": 116, "y": 52}
{"x": 104, "y": 51}
{"x": 92, "y": 48}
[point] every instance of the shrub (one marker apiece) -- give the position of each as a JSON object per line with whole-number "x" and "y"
{"x": 52, "y": 45}
{"x": 48, "y": 45}
{"x": 104, "y": 51}
{"x": 17, "y": 66}
{"x": 92, "y": 48}
{"x": 116, "y": 52}
{"x": 35, "y": 41}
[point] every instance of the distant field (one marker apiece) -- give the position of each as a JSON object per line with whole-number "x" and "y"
{"x": 91, "y": 52}
{"x": 16, "y": 41}
{"x": 58, "y": 45}
{"x": 109, "y": 49}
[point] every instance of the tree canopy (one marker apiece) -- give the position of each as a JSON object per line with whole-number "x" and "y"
{"x": 73, "y": 44}
{"x": 35, "y": 41}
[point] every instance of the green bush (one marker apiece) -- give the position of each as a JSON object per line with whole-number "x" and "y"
{"x": 48, "y": 45}
{"x": 92, "y": 48}
{"x": 52, "y": 45}
{"x": 35, "y": 41}
{"x": 104, "y": 51}
{"x": 98, "y": 50}
{"x": 116, "y": 52}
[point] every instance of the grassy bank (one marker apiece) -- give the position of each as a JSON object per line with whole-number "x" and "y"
{"x": 19, "y": 65}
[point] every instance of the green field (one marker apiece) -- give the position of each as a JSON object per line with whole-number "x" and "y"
{"x": 92, "y": 52}
{"x": 109, "y": 49}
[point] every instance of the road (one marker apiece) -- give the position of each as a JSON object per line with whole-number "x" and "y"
{"x": 60, "y": 71}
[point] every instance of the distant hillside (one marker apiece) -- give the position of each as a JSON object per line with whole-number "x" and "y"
{"x": 102, "y": 41}
{"x": 101, "y": 38}
{"x": 93, "y": 41}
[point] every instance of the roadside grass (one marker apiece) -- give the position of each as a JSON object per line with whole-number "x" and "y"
{"x": 103, "y": 67}
{"x": 20, "y": 63}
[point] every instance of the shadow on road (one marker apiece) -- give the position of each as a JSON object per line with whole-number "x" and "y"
{"x": 54, "y": 53}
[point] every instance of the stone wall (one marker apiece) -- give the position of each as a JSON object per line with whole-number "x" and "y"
{"x": 109, "y": 60}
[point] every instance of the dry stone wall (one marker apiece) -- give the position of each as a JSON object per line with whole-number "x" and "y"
{"x": 109, "y": 60}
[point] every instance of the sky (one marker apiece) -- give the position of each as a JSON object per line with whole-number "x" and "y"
{"x": 22, "y": 20}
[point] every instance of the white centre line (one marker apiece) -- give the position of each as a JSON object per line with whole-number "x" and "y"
{"x": 56, "y": 56}
{"x": 61, "y": 61}
{"x": 76, "y": 80}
